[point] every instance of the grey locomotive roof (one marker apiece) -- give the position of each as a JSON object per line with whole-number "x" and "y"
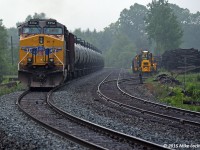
{"x": 42, "y": 23}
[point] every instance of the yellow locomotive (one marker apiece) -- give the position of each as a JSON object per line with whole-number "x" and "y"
{"x": 144, "y": 62}
{"x": 49, "y": 54}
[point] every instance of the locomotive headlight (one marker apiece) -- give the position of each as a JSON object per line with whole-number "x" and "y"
{"x": 29, "y": 59}
{"x": 41, "y": 40}
{"x": 51, "y": 60}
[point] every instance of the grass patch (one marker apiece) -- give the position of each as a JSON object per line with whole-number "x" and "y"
{"x": 6, "y": 90}
{"x": 7, "y": 78}
{"x": 173, "y": 94}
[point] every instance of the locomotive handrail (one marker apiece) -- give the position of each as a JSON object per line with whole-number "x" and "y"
{"x": 23, "y": 58}
{"x": 60, "y": 61}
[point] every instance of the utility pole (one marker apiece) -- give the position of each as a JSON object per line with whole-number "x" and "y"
{"x": 140, "y": 76}
{"x": 11, "y": 42}
{"x": 184, "y": 71}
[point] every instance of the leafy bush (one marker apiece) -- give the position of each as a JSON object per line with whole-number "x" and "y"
{"x": 190, "y": 88}
{"x": 177, "y": 100}
{"x": 1, "y": 78}
{"x": 178, "y": 97}
{"x": 198, "y": 77}
{"x": 4, "y": 91}
{"x": 196, "y": 94}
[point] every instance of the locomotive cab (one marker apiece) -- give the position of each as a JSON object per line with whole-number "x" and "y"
{"x": 41, "y": 53}
{"x": 144, "y": 62}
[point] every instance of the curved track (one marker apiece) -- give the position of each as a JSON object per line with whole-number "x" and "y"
{"x": 145, "y": 106}
{"x": 39, "y": 106}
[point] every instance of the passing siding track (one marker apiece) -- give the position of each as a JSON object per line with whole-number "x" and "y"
{"x": 138, "y": 104}
{"x": 39, "y": 106}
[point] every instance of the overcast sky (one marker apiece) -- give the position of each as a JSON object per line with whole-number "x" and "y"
{"x": 92, "y": 14}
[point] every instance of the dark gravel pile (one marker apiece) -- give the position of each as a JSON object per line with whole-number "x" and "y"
{"x": 19, "y": 132}
{"x": 79, "y": 98}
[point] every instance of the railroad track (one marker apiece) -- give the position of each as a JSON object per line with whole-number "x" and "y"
{"x": 40, "y": 107}
{"x": 145, "y": 106}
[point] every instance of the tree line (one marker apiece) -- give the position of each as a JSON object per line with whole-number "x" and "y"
{"x": 9, "y": 51}
{"x": 157, "y": 27}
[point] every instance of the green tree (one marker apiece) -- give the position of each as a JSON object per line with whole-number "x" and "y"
{"x": 13, "y": 32}
{"x": 121, "y": 52}
{"x": 162, "y": 26}
{"x": 131, "y": 23}
{"x": 98, "y": 39}
{"x": 36, "y": 15}
{"x": 3, "y": 49}
{"x": 190, "y": 24}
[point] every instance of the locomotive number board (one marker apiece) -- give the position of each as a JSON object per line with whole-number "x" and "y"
{"x": 51, "y": 23}
{"x": 33, "y": 22}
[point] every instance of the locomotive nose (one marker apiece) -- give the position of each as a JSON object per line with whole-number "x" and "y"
{"x": 41, "y": 77}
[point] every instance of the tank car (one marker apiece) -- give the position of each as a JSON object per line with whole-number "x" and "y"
{"x": 49, "y": 54}
{"x": 144, "y": 62}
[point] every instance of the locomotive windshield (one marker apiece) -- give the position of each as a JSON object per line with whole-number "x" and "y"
{"x": 32, "y": 30}
{"x": 53, "y": 31}
{"x": 145, "y": 56}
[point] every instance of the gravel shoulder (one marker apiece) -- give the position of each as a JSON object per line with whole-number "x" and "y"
{"x": 19, "y": 132}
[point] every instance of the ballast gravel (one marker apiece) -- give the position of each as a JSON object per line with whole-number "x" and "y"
{"x": 79, "y": 98}
{"x": 18, "y": 132}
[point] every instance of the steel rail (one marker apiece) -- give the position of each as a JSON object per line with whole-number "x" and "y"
{"x": 99, "y": 129}
{"x": 57, "y": 131}
{"x": 101, "y": 95}
{"x": 157, "y": 104}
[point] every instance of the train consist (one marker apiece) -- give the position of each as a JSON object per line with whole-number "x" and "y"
{"x": 49, "y": 54}
{"x": 144, "y": 63}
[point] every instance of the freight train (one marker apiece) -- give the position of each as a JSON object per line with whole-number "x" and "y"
{"x": 49, "y": 54}
{"x": 144, "y": 63}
